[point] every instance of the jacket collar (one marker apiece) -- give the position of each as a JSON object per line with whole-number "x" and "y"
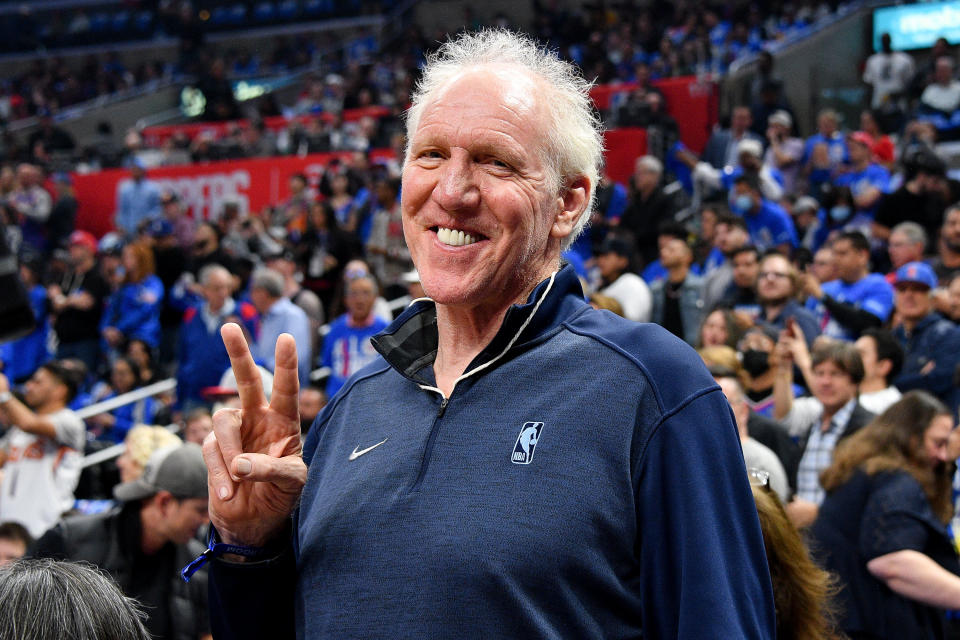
{"x": 409, "y": 344}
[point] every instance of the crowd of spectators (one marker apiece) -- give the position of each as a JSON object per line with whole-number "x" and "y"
{"x": 819, "y": 279}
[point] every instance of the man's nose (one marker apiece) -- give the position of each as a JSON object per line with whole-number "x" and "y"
{"x": 457, "y": 188}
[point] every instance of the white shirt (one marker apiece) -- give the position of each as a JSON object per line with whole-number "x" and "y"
{"x": 942, "y": 98}
{"x": 41, "y": 473}
{"x": 888, "y": 73}
{"x": 633, "y": 294}
{"x": 878, "y": 401}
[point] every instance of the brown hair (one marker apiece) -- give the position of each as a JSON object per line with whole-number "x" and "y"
{"x": 802, "y": 591}
{"x": 736, "y": 326}
{"x": 894, "y": 441}
{"x": 842, "y": 354}
{"x": 143, "y": 255}
{"x": 601, "y": 301}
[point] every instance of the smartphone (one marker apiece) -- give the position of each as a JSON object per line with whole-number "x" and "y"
{"x": 791, "y": 331}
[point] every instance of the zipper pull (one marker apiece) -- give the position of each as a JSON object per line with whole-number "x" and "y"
{"x": 443, "y": 407}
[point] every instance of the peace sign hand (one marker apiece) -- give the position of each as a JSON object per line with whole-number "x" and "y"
{"x": 253, "y": 456}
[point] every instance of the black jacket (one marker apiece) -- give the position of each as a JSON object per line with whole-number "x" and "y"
{"x": 107, "y": 540}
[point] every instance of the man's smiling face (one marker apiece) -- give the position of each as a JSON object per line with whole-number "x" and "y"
{"x": 480, "y": 208}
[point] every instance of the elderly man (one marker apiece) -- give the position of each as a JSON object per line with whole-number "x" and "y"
{"x": 464, "y": 485}
{"x": 202, "y": 358}
{"x": 278, "y": 315}
{"x": 649, "y": 208}
{"x": 908, "y": 241}
{"x": 930, "y": 342}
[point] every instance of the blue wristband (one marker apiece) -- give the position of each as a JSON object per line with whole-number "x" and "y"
{"x": 215, "y": 549}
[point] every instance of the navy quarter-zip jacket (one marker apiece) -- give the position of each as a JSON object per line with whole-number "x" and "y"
{"x": 583, "y": 480}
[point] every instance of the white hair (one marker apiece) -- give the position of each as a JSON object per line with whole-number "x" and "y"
{"x": 651, "y": 164}
{"x": 574, "y": 145}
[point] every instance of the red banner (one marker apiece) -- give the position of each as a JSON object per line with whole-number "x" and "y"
{"x": 157, "y": 135}
{"x": 623, "y": 147}
{"x": 692, "y": 104}
{"x": 203, "y": 188}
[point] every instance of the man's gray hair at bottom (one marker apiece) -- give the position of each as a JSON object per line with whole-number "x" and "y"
{"x": 574, "y": 145}
{"x": 45, "y": 599}
{"x": 269, "y": 280}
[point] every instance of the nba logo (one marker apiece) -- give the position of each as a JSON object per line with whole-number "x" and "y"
{"x": 526, "y": 443}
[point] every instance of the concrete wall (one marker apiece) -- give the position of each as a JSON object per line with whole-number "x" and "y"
{"x": 819, "y": 72}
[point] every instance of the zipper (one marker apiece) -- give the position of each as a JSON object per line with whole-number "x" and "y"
{"x": 431, "y": 441}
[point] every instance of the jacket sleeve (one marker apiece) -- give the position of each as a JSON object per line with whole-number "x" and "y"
{"x": 254, "y": 600}
{"x": 851, "y": 316}
{"x": 703, "y": 566}
{"x": 944, "y": 353}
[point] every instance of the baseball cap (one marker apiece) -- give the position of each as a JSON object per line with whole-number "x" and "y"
{"x": 169, "y": 196}
{"x": 84, "y": 239}
{"x": 160, "y": 228}
{"x": 781, "y": 117}
{"x": 179, "y": 469}
{"x": 752, "y": 147}
{"x": 862, "y": 137}
{"x": 806, "y": 203}
{"x": 919, "y": 272}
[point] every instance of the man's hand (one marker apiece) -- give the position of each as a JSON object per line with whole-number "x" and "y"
{"x": 801, "y": 513}
{"x": 810, "y": 285}
{"x": 253, "y": 456}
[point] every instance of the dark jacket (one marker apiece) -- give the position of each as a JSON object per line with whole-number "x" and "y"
{"x": 774, "y": 436}
{"x": 691, "y": 305}
{"x": 448, "y": 530}
{"x": 934, "y": 339}
{"x": 108, "y": 541}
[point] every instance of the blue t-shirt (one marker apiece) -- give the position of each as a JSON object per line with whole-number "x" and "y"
{"x": 871, "y": 293}
{"x": 836, "y": 148}
{"x": 859, "y": 181}
{"x": 347, "y": 349}
{"x": 770, "y": 226}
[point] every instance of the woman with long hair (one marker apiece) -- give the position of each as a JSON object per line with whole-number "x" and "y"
{"x": 802, "y": 591}
{"x": 882, "y": 527}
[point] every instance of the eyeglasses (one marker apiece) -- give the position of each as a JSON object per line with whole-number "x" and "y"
{"x": 772, "y": 275}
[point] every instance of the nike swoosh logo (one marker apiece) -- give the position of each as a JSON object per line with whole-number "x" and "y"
{"x": 356, "y": 454}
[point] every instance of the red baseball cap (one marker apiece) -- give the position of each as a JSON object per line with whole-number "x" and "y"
{"x": 862, "y": 137}
{"x": 84, "y": 239}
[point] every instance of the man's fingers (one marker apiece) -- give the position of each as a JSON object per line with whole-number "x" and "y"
{"x": 226, "y": 428}
{"x": 284, "y": 399}
{"x": 249, "y": 383}
{"x": 288, "y": 474}
{"x": 218, "y": 476}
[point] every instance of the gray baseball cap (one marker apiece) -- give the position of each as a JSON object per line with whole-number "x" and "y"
{"x": 179, "y": 469}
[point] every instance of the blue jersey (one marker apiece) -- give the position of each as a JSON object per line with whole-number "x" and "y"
{"x": 836, "y": 148}
{"x": 347, "y": 349}
{"x": 22, "y": 357}
{"x": 874, "y": 176}
{"x": 770, "y": 226}
{"x": 871, "y": 293}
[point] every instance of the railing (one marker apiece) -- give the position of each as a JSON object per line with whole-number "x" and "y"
{"x": 170, "y": 384}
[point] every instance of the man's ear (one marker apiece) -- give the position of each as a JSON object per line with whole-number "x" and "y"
{"x": 572, "y": 203}
{"x": 162, "y": 499}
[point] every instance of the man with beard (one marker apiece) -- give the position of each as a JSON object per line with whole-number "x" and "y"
{"x": 678, "y": 298}
{"x": 946, "y": 264}
{"x": 776, "y": 291}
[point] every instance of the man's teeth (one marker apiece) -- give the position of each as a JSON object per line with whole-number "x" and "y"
{"x": 454, "y": 238}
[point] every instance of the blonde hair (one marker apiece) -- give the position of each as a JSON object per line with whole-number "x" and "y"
{"x": 142, "y": 440}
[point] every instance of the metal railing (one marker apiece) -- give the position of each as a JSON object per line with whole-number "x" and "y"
{"x": 170, "y": 384}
